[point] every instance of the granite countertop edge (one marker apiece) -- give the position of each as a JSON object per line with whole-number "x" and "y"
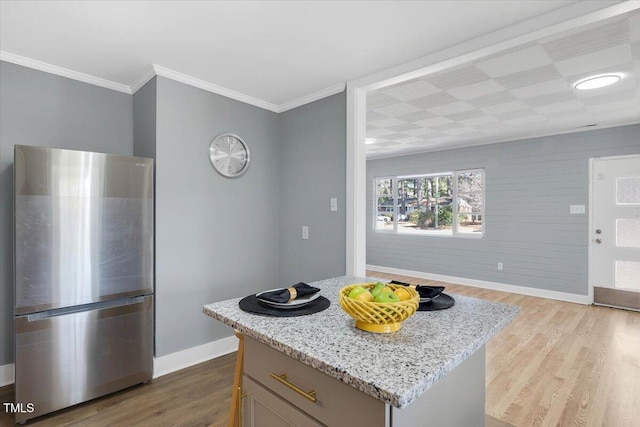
{"x": 393, "y": 398}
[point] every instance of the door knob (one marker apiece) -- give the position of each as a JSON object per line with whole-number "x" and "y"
{"x": 598, "y": 231}
{"x": 598, "y": 240}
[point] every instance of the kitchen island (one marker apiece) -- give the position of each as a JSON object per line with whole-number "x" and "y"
{"x": 320, "y": 370}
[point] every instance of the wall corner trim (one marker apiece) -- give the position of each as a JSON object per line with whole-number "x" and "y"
{"x": 315, "y": 96}
{"x": 149, "y": 73}
{"x": 7, "y": 374}
{"x": 63, "y": 72}
{"x": 514, "y": 289}
{"x": 192, "y": 356}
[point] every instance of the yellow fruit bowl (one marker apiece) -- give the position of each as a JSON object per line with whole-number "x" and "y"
{"x": 380, "y": 317}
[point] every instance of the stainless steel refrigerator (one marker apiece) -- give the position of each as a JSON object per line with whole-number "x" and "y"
{"x": 83, "y": 276}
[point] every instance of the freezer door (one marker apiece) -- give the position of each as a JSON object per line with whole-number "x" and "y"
{"x": 83, "y": 227}
{"x": 71, "y": 358}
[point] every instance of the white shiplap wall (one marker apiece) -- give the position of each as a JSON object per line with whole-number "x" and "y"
{"x": 529, "y": 187}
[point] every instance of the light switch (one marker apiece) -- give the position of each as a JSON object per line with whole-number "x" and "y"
{"x": 576, "y": 209}
{"x": 305, "y": 232}
{"x": 334, "y": 204}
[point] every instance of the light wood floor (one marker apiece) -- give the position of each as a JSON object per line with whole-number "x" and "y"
{"x": 558, "y": 364}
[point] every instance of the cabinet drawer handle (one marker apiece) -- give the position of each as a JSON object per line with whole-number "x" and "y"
{"x": 311, "y": 395}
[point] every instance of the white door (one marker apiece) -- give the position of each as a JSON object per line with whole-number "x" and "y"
{"x": 615, "y": 232}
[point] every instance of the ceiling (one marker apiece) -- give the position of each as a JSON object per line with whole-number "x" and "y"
{"x": 281, "y": 54}
{"x": 274, "y": 51}
{"x": 523, "y": 92}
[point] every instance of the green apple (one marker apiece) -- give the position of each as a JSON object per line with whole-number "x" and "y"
{"x": 377, "y": 289}
{"x": 356, "y": 291}
{"x": 386, "y": 297}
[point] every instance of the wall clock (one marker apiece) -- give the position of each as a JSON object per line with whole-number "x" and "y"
{"x": 229, "y": 155}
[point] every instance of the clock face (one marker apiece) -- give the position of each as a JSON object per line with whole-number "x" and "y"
{"x": 229, "y": 155}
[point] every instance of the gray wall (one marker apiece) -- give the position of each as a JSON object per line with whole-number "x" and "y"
{"x": 529, "y": 187}
{"x": 144, "y": 120}
{"x": 41, "y": 109}
{"x": 312, "y": 170}
{"x": 216, "y": 238}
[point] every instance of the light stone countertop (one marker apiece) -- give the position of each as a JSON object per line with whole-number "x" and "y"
{"x": 429, "y": 345}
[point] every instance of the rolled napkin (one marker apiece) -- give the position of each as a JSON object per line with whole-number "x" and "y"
{"x": 423, "y": 290}
{"x": 288, "y": 294}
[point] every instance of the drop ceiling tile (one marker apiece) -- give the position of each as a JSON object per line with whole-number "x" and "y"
{"x": 479, "y": 121}
{"x": 446, "y": 138}
{"x": 377, "y": 99}
{"x": 394, "y": 136}
{"x": 436, "y": 121}
{"x": 453, "y": 108}
{"x": 526, "y": 120}
{"x": 378, "y": 133}
{"x": 577, "y": 112}
{"x": 409, "y": 140}
{"x": 529, "y": 77}
{"x": 609, "y": 96}
{"x": 411, "y": 90}
{"x": 561, "y": 106}
{"x": 397, "y": 109}
{"x": 544, "y": 88}
{"x": 456, "y": 77}
{"x": 493, "y": 99}
{"x": 447, "y": 126}
{"x": 509, "y": 115}
{"x": 476, "y": 90}
{"x": 420, "y": 131}
{"x": 373, "y": 115}
{"x": 388, "y": 122}
{"x": 404, "y": 127}
{"x": 593, "y": 61}
{"x": 522, "y": 60}
{"x": 551, "y": 98}
{"x": 414, "y": 117}
{"x": 505, "y": 108}
{"x": 465, "y": 115}
{"x": 623, "y": 104}
{"x": 439, "y": 98}
{"x": 604, "y": 36}
{"x": 459, "y": 131}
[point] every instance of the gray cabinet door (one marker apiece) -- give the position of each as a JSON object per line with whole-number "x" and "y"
{"x": 263, "y": 408}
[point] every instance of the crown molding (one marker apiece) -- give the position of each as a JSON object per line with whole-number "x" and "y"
{"x": 210, "y": 87}
{"x": 63, "y": 72}
{"x": 149, "y": 73}
{"x": 315, "y": 96}
{"x": 158, "y": 70}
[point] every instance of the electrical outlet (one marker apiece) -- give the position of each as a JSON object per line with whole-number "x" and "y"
{"x": 576, "y": 209}
{"x": 334, "y": 204}
{"x": 305, "y": 232}
{"x": 499, "y": 266}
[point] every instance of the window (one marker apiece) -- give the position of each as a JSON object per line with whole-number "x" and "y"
{"x": 447, "y": 204}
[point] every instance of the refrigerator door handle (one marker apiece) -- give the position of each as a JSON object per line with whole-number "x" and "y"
{"x": 85, "y": 307}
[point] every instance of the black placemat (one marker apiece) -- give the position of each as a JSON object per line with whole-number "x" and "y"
{"x": 441, "y": 302}
{"x": 251, "y": 304}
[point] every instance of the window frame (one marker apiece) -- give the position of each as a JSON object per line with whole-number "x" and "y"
{"x": 455, "y": 233}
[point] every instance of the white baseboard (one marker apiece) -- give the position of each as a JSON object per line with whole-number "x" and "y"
{"x": 514, "y": 289}
{"x": 192, "y": 356}
{"x": 7, "y": 374}
{"x": 162, "y": 365}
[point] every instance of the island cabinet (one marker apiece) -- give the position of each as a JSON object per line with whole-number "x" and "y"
{"x": 279, "y": 390}
{"x": 303, "y": 396}
{"x": 319, "y": 370}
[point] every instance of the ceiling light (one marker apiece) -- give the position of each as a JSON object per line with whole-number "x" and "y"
{"x": 595, "y": 82}
{"x": 369, "y": 141}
